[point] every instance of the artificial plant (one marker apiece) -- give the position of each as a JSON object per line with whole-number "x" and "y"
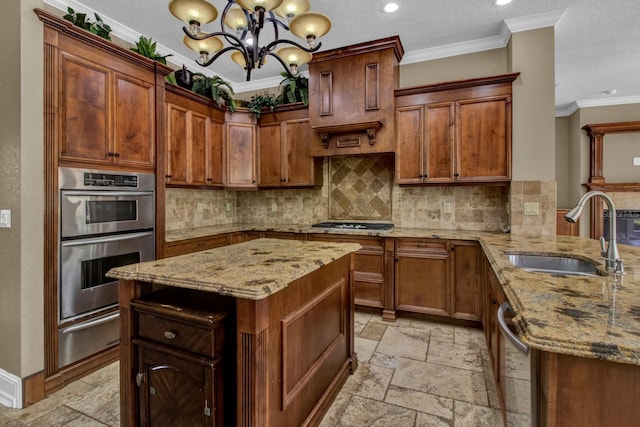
{"x": 147, "y": 47}
{"x": 215, "y": 88}
{"x": 98, "y": 28}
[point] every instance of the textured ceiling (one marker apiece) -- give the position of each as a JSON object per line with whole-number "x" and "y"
{"x": 597, "y": 41}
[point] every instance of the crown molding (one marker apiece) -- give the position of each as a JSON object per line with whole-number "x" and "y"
{"x": 596, "y": 102}
{"x": 534, "y": 22}
{"x": 453, "y": 49}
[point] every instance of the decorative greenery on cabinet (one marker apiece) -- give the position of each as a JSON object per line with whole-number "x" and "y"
{"x": 80, "y": 20}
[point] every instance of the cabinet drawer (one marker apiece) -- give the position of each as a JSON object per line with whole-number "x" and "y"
{"x": 421, "y": 245}
{"x": 189, "y": 337}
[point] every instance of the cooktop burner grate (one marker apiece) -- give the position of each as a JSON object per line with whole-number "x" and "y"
{"x": 355, "y": 225}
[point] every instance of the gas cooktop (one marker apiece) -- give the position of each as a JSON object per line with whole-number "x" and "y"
{"x": 355, "y": 225}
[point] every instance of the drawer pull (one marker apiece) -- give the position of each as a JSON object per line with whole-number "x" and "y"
{"x": 139, "y": 378}
{"x": 169, "y": 335}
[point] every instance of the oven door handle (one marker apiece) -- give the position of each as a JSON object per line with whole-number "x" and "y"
{"x": 106, "y": 239}
{"x": 90, "y": 323}
{"x": 522, "y": 347}
{"x": 106, "y": 193}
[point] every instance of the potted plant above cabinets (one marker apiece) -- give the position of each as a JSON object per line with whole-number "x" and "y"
{"x": 293, "y": 89}
{"x": 98, "y": 28}
{"x": 258, "y": 102}
{"x": 147, "y": 47}
{"x": 215, "y": 88}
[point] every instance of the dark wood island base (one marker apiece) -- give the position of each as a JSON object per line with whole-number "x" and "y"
{"x": 294, "y": 349}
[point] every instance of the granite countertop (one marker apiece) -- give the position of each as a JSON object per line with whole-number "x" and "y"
{"x": 251, "y": 270}
{"x": 596, "y": 317}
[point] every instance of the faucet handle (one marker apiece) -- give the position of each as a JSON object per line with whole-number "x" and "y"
{"x": 603, "y": 249}
{"x": 619, "y": 266}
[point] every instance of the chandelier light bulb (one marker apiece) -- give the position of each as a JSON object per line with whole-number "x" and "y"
{"x": 253, "y": 5}
{"x": 290, "y": 8}
{"x": 236, "y": 20}
{"x": 203, "y": 47}
{"x": 310, "y": 26}
{"x": 193, "y": 12}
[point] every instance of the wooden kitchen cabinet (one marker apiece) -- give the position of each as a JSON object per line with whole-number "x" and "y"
{"x": 373, "y": 271}
{"x": 194, "y": 141}
{"x": 186, "y": 246}
{"x": 438, "y": 277}
{"x": 454, "y": 132}
{"x": 465, "y": 280}
{"x": 284, "y": 141}
{"x": 240, "y": 150}
{"x": 106, "y": 108}
{"x": 422, "y": 276}
{"x": 493, "y": 296}
{"x": 180, "y": 347}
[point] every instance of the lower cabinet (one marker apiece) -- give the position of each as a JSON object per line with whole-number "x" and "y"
{"x": 493, "y": 296}
{"x": 373, "y": 271}
{"x": 438, "y": 277}
{"x": 180, "y": 348}
{"x": 176, "y": 389}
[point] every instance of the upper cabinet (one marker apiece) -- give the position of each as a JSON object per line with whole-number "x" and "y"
{"x": 284, "y": 141}
{"x": 240, "y": 150}
{"x": 99, "y": 99}
{"x": 194, "y": 154}
{"x": 454, "y": 132}
{"x": 351, "y": 100}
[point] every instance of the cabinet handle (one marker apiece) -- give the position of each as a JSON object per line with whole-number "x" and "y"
{"x": 170, "y": 335}
{"x": 110, "y": 154}
{"x": 139, "y": 378}
{"x": 116, "y": 154}
{"x": 456, "y": 174}
{"x": 209, "y": 179}
{"x": 494, "y": 301}
{"x": 168, "y": 176}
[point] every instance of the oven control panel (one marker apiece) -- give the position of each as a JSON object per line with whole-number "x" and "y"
{"x": 110, "y": 180}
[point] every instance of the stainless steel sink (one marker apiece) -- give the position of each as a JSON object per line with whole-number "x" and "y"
{"x": 556, "y": 265}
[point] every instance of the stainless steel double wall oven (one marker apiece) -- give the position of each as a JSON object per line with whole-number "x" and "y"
{"x": 106, "y": 221}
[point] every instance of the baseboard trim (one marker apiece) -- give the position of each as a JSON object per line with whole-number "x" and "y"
{"x": 10, "y": 390}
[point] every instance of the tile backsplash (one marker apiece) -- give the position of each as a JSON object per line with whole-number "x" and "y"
{"x": 541, "y": 192}
{"x": 359, "y": 188}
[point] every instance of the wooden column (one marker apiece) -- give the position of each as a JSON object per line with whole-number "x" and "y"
{"x": 252, "y": 373}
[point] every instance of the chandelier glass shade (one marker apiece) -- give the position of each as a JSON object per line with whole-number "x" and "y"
{"x": 241, "y": 23}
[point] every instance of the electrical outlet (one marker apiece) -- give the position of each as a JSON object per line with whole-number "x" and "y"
{"x": 199, "y": 207}
{"x": 5, "y": 218}
{"x": 274, "y": 207}
{"x": 227, "y": 206}
{"x": 531, "y": 208}
{"x": 446, "y": 207}
{"x": 636, "y": 161}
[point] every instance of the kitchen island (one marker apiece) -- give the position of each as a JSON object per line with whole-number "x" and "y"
{"x": 290, "y": 306}
{"x": 583, "y": 332}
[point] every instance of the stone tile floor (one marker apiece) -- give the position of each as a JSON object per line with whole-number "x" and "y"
{"x": 411, "y": 373}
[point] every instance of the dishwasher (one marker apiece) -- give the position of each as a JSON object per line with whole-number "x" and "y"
{"x": 519, "y": 375}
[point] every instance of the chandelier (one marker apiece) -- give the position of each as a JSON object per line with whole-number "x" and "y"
{"x": 240, "y": 26}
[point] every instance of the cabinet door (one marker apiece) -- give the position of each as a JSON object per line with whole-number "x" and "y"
{"x": 408, "y": 145}
{"x": 422, "y": 276}
{"x": 438, "y": 142}
{"x": 177, "y": 141}
{"x": 465, "y": 294}
{"x": 297, "y": 161}
{"x": 241, "y": 155}
{"x": 215, "y": 155}
{"x": 199, "y": 140}
{"x": 484, "y": 139}
{"x": 134, "y": 135}
{"x": 84, "y": 111}
{"x": 270, "y": 155}
{"x": 175, "y": 391}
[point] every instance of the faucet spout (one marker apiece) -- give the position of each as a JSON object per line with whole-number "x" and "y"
{"x": 611, "y": 255}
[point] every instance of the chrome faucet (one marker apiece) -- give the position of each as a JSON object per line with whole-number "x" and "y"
{"x": 610, "y": 253}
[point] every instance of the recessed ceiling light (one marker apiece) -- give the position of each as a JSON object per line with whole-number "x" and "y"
{"x": 502, "y": 2}
{"x": 391, "y": 7}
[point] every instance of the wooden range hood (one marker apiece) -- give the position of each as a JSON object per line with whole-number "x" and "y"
{"x": 351, "y": 97}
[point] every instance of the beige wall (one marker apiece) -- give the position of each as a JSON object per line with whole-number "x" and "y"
{"x": 21, "y": 189}
{"x": 532, "y": 54}
{"x": 481, "y": 64}
{"x": 563, "y": 161}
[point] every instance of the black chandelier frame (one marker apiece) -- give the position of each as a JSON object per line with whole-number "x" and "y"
{"x": 254, "y": 26}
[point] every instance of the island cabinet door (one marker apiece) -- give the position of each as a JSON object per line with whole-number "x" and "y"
{"x": 177, "y": 390}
